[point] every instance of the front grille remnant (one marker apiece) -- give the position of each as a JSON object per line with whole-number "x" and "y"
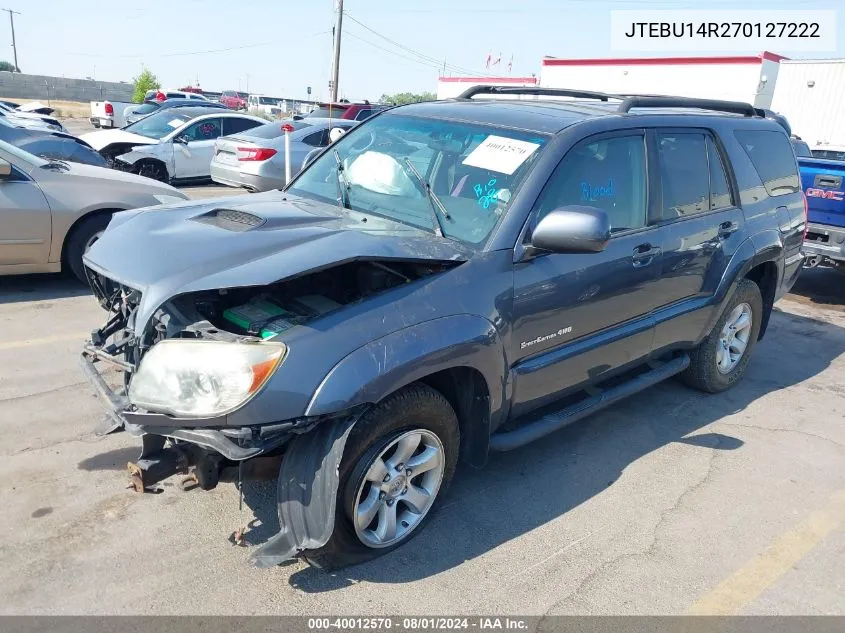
{"x": 230, "y": 220}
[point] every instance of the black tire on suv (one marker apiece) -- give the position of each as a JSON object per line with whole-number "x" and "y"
{"x": 416, "y": 411}
{"x": 706, "y": 372}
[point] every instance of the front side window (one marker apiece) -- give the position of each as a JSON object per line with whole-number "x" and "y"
{"x": 205, "y": 130}
{"x": 608, "y": 174}
{"x": 774, "y": 159}
{"x": 473, "y": 170}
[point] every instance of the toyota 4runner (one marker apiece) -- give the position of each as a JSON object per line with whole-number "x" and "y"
{"x": 447, "y": 279}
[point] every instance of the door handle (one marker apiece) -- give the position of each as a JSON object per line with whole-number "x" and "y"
{"x": 728, "y": 228}
{"x": 644, "y": 254}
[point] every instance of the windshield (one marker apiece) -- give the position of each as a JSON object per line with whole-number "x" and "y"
{"x": 802, "y": 150}
{"x": 158, "y": 125}
{"x": 473, "y": 169}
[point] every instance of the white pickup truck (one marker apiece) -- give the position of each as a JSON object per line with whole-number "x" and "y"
{"x": 109, "y": 113}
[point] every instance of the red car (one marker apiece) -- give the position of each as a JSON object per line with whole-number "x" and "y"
{"x": 346, "y": 110}
{"x": 233, "y": 99}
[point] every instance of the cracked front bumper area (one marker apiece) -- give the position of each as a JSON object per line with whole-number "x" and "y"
{"x": 195, "y": 447}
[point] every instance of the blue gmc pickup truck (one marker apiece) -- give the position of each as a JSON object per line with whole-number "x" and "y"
{"x": 822, "y": 182}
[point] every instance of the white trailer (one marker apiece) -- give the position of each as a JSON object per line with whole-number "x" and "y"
{"x": 747, "y": 78}
{"x": 810, "y": 93}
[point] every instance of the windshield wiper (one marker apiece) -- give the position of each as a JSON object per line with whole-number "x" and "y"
{"x": 436, "y": 205}
{"x": 342, "y": 183}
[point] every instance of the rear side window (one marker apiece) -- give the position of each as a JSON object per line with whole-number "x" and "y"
{"x": 317, "y": 139}
{"x": 828, "y": 154}
{"x": 684, "y": 174}
{"x": 773, "y": 158}
{"x": 233, "y": 126}
{"x": 608, "y": 174}
{"x": 720, "y": 192}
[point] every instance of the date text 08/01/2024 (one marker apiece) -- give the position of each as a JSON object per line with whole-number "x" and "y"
{"x": 418, "y": 623}
{"x": 725, "y": 30}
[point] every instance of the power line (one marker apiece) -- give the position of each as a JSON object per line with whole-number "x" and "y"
{"x": 394, "y": 53}
{"x": 423, "y": 56}
{"x": 187, "y": 53}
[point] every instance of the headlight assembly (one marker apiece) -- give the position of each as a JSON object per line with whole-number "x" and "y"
{"x": 198, "y": 379}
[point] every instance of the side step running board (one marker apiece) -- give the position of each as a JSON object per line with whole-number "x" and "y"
{"x": 552, "y": 422}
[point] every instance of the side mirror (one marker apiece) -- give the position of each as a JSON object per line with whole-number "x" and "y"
{"x": 572, "y": 229}
{"x": 5, "y": 169}
{"x": 181, "y": 139}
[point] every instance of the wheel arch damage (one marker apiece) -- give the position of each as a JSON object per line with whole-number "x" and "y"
{"x": 306, "y": 504}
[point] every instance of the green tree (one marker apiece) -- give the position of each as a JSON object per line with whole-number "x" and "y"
{"x": 8, "y": 67}
{"x": 402, "y": 98}
{"x": 143, "y": 82}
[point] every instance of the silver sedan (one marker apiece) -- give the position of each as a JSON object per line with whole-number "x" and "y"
{"x": 255, "y": 159}
{"x": 52, "y": 211}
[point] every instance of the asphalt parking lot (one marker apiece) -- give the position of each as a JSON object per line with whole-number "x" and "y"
{"x": 672, "y": 502}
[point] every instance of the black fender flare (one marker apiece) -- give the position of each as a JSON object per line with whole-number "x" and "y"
{"x": 306, "y": 492}
{"x": 761, "y": 248}
{"x": 374, "y": 371}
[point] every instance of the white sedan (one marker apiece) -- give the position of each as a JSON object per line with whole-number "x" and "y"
{"x": 174, "y": 146}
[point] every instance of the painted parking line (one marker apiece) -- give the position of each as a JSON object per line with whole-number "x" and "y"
{"x": 31, "y": 342}
{"x": 761, "y": 572}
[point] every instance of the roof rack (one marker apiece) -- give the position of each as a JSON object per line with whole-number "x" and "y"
{"x": 469, "y": 93}
{"x": 735, "y": 107}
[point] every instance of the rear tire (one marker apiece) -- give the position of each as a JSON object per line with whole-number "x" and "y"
{"x": 717, "y": 363}
{"x": 414, "y": 411}
{"x": 81, "y": 239}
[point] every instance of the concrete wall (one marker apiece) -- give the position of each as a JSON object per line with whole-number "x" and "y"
{"x": 42, "y": 87}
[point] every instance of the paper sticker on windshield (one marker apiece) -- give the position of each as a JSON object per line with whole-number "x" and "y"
{"x": 501, "y": 154}
{"x": 175, "y": 123}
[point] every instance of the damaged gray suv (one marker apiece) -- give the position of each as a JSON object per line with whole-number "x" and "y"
{"x": 448, "y": 279}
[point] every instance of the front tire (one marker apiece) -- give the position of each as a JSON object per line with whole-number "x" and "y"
{"x": 83, "y": 237}
{"x": 155, "y": 170}
{"x": 398, "y": 462}
{"x": 721, "y": 359}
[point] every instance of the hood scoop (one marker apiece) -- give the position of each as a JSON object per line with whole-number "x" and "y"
{"x": 230, "y": 220}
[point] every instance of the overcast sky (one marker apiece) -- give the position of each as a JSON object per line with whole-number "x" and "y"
{"x": 278, "y": 47}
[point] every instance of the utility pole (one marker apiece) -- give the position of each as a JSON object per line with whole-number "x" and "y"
{"x": 14, "y": 47}
{"x": 336, "y": 65}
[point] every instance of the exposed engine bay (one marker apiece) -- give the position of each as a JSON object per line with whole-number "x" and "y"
{"x": 252, "y": 313}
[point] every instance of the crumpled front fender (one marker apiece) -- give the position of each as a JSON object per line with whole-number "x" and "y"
{"x": 307, "y": 492}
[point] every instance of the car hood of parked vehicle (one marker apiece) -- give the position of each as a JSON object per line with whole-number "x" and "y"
{"x": 248, "y": 241}
{"x": 104, "y": 138}
{"x": 77, "y": 186}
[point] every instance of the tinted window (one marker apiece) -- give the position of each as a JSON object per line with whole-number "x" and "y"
{"x": 801, "y": 149}
{"x": 720, "y": 192}
{"x": 828, "y": 154}
{"x": 206, "y": 130}
{"x": 146, "y": 108}
{"x": 608, "y": 174}
{"x": 327, "y": 113}
{"x": 684, "y": 179}
{"x": 773, "y": 158}
{"x": 233, "y": 126}
{"x": 317, "y": 139}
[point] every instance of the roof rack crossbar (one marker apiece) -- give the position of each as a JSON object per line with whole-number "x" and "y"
{"x": 469, "y": 93}
{"x": 735, "y": 107}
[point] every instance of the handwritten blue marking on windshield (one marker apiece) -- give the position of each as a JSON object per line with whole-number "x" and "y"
{"x": 593, "y": 193}
{"x": 486, "y": 194}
